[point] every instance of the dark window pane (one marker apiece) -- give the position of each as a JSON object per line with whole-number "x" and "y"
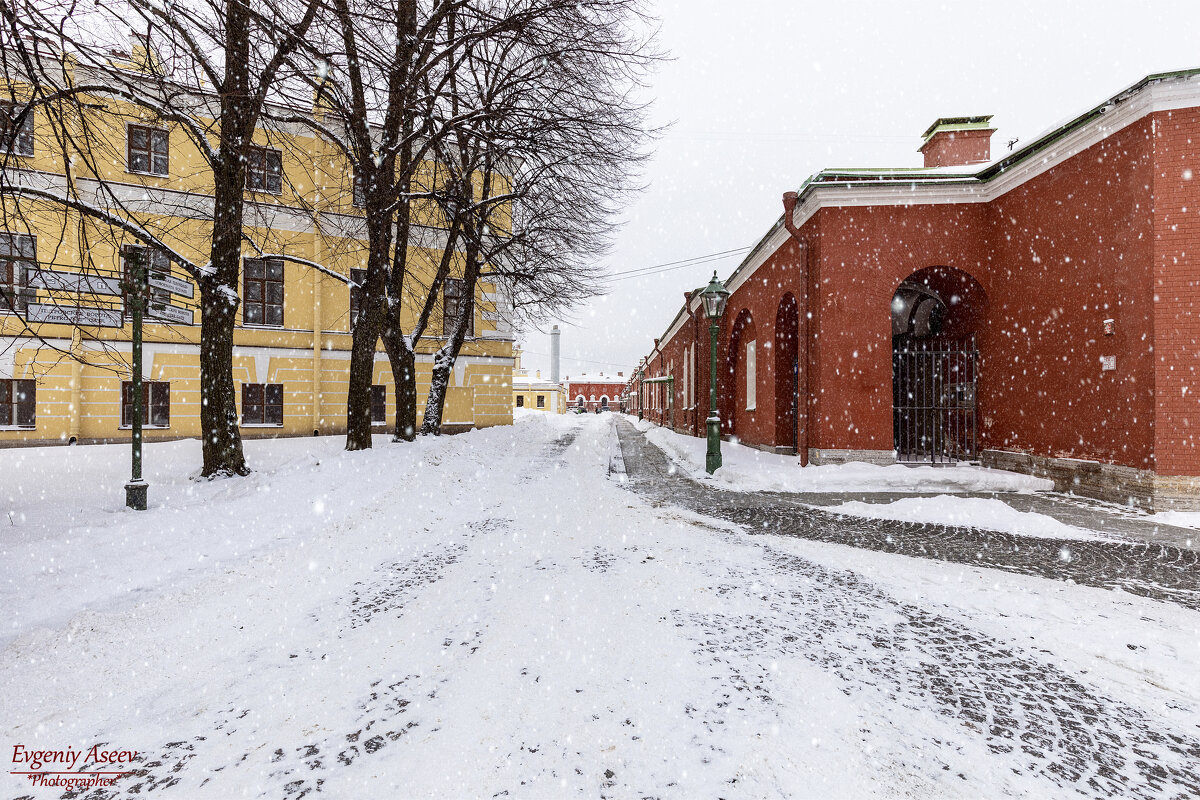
{"x": 274, "y": 270}
{"x": 26, "y": 402}
{"x": 16, "y": 137}
{"x": 138, "y": 137}
{"x": 160, "y": 416}
{"x": 254, "y": 314}
{"x": 254, "y": 268}
{"x": 379, "y": 404}
{"x": 273, "y": 316}
{"x": 254, "y": 291}
{"x": 274, "y": 394}
{"x": 275, "y": 293}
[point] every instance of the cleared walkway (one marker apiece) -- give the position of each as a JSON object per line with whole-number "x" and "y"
{"x": 1160, "y": 570}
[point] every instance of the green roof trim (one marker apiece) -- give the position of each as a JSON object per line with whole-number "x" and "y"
{"x": 979, "y": 123}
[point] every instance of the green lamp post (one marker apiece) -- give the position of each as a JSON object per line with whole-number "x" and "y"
{"x": 136, "y": 490}
{"x": 641, "y": 375}
{"x": 714, "y": 296}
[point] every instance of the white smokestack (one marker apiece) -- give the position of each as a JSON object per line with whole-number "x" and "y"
{"x": 554, "y": 334}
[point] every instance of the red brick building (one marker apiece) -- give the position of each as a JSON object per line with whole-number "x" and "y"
{"x": 1038, "y": 312}
{"x": 595, "y": 392}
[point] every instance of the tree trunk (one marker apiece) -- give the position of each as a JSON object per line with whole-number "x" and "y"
{"x": 367, "y": 329}
{"x": 219, "y": 304}
{"x": 443, "y": 360}
{"x": 358, "y": 392}
{"x": 222, "y": 440}
{"x": 439, "y": 382}
{"x": 404, "y": 374}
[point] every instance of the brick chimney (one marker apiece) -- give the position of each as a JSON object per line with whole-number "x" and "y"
{"x": 958, "y": 141}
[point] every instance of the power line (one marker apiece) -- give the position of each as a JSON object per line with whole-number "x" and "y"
{"x": 668, "y": 266}
{"x": 583, "y": 360}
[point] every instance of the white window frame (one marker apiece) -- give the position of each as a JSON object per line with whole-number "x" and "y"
{"x": 751, "y": 377}
{"x": 686, "y": 398}
{"x": 692, "y": 388}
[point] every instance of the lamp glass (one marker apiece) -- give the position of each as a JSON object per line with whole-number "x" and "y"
{"x": 714, "y": 296}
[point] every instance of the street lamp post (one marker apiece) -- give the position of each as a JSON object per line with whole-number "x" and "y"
{"x": 641, "y": 377}
{"x": 714, "y": 296}
{"x": 136, "y": 489}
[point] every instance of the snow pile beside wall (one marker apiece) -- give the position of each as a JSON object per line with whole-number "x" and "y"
{"x": 967, "y": 512}
{"x": 747, "y": 469}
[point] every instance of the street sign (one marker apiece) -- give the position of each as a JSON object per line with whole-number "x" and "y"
{"x": 75, "y": 282}
{"x": 183, "y": 316}
{"x": 75, "y": 315}
{"x": 171, "y": 284}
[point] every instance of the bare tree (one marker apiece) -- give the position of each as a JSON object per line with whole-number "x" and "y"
{"x": 548, "y": 157}
{"x": 376, "y": 70}
{"x": 383, "y": 71}
{"x": 209, "y": 67}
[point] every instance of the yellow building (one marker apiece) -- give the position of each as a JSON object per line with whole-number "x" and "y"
{"x": 65, "y": 339}
{"x": 536, "y": 392}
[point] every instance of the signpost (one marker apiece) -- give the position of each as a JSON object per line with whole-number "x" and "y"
{"x": 137, "y": 489}
{"x": 94, "y": 302}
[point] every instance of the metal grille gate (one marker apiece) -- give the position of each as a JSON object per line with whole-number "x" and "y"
{"x": 933, "y": 406}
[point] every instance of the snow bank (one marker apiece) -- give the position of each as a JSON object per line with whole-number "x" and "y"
{"x": 1181, "y": 519}
{"x": 748, "y": 470}
{"x": 967, "y": 512}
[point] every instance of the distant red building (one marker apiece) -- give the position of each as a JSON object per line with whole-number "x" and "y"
{"x": 1039, "y": 312}
{"x": 595, "y": 392}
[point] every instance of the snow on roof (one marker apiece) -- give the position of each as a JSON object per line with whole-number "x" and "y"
{"x": 521, "y": 382}
{"x": 597, "y": 378}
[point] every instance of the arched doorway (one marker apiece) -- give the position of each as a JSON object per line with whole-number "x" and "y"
{"x": 935, "y": 366}
{"x": 737, "y": 395}
{"x": 787, "y": 373}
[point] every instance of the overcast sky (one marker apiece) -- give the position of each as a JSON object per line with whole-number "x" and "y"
{"x": 763, "y": 93}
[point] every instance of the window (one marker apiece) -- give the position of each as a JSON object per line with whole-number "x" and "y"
{"x": 379, "y": 404}
{"x": 520, "y": 401}
{"x": 686, "y": 385}
{"x": 692, "y": 385}
{"x": 16, "y": 129}
{"x": 453, "y": 298}
{"x": 358, "y": 278}
{"x": 262, "y": 301}
{"x": 264, "y": 170}
{"x": 580, "y": 402}
{"x": 358, "y": 197}
{"x": 17, "y": 260}
{"x": 541, "y": 401}
{"x": 159, "y": 264}
{"x": 751, "y": 378}
{"x": 262, "y": 403}
{"x": 604, "y": 402}
{"x": 18, "y": 403}
{"x": 156, "y": 404}
{"x": 147, "y": 150}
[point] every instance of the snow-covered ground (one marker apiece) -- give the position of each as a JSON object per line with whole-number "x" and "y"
{"x": 490, "y": 614}
{"x": 751, "y": 470}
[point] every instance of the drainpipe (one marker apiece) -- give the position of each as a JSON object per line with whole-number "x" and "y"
{"x": 802, "y": 409}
